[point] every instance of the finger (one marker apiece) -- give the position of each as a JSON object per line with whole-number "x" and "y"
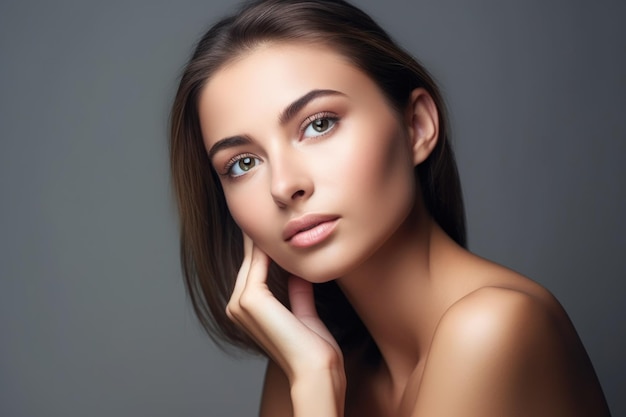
{"x": 301, "y": 297}
{"x": 247, "y": 245}
{"x": 242, "y": 276}
{"x": 259, "y": 265}
{"x": 250, "y": 284}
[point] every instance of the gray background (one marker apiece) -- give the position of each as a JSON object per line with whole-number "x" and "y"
{"x": 94, "y": 320}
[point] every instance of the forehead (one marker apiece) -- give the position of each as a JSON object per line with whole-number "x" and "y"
{"x": 270, "y": 77}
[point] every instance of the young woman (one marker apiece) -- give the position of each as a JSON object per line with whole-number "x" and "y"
{"x": 323, "y": 226}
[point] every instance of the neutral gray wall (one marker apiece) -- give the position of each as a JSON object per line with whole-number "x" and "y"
{"x": 94, "y": 320}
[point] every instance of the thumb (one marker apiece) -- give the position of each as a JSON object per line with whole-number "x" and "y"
{"x": 301, "y": 297}
{"x": 303, "y": 308}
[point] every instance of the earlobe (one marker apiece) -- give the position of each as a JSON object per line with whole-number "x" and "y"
{"x": 423, "y": 124}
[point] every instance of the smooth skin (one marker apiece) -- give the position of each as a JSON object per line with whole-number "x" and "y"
{"x": 459, "y": 335}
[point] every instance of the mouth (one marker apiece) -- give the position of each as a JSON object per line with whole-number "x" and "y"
{"x": 309, "y": 230}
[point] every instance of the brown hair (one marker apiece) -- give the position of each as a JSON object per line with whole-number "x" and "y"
{"x": 211, "y": 242}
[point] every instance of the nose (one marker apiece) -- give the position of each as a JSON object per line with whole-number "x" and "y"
{"x": 290, "y": 181}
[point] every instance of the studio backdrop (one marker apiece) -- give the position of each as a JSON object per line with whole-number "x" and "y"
{"x": 94, "y": 319}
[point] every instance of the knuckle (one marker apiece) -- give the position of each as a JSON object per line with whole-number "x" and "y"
{"x": 229, "y": 313}
{"x": 233, "y": 310}
{"x": 247, "y": 302}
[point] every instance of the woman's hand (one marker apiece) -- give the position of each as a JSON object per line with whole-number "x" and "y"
{"x": 297, "y": 340}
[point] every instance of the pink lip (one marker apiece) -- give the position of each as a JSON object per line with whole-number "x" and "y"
{"x": 309, "y": 230}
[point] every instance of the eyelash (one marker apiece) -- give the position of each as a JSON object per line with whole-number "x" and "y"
{"x": 232, "y": 161}
{"x": 317, "y": 116}
{"x": 305, "y": 124}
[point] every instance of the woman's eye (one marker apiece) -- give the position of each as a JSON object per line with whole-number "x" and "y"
{"x": 242, "y": 165}
{"x": 319, "y": 126}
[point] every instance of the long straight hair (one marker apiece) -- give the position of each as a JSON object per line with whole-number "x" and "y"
{"x": 210, "y": 241}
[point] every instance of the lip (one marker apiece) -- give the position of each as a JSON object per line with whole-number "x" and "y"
{"x": 310, "y": 229}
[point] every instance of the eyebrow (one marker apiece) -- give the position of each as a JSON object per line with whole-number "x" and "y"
{"x": 285, "y": 116}
{"x": 226, "y": 143}
{"x": 292, "y": 109}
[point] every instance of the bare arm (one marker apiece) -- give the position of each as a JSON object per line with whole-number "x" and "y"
{"x": 275, "y": 400}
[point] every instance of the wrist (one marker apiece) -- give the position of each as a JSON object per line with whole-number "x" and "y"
{"x": 319, "y": 393}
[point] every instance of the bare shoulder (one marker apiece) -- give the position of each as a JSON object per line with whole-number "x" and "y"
{"x": 504, "y": 315}
{"x": 276, "y": 397}
{"x": 506, "y": 351}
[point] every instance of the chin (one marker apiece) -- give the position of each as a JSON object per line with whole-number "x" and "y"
{"x": 325, "y": 265}
{"x": 315, "y": 274}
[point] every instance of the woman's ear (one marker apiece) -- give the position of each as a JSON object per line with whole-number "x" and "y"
{"x": 422, "y": 120}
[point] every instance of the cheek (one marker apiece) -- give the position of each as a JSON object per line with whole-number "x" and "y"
{"x": 381, "y": 167}
{"x": 253, "y": 211}
{"x": 239, "y": 204}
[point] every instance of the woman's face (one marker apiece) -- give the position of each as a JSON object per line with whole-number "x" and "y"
{"x": 315, "y": 165}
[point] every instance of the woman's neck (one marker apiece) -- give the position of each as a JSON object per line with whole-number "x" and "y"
{"x": 401, "y": 292}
